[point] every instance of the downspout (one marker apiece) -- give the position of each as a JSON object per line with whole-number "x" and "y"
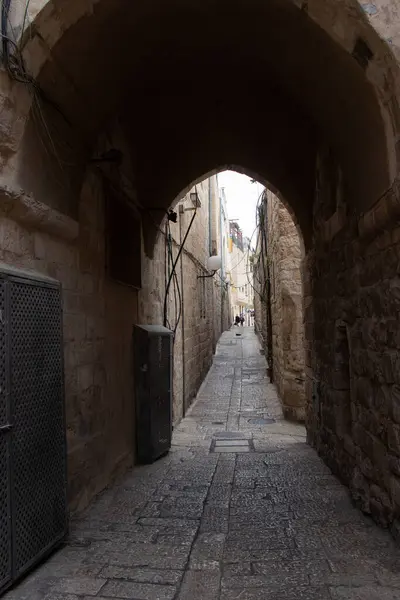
{"x": 183, "y": 324}
{"x": 209, "y": 217}
{"x": 221, "y": 237}
{"x": 269, "y": 307}
{"x": 210, "y": 253}
{"x": 269, "y": 330}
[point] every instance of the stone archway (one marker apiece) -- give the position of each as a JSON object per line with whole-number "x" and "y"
{"x": 180, "y": 87}
{"x": 299, "y": 98}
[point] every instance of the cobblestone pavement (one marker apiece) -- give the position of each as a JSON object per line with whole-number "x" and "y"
{"x": 267, "y": 521}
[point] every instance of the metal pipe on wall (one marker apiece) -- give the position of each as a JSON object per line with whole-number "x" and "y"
{"x": 221, "y": 237}
{"x": 209, "y": 218}
{"x": 182, "y": 323}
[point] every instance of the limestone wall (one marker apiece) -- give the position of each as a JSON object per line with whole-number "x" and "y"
{"x": 352, "y": 348}
{"x": 98, "y": 318}
{"x": 205, "y": 301}
{"x": 283, "y": 259}
{"x": 351, "y": 341}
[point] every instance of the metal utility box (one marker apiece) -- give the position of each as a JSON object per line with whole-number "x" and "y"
{"x": 33, "y": 476}
{"x": 153, "y": 346}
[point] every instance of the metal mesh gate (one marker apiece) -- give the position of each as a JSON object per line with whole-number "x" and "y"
{"x": 33, "y": 366}
{"x": 5, "y": 516}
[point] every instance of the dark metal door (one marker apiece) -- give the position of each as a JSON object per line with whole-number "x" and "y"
{"x": 5, "y": 516}
{"x": 33, "y": 507}
{"x": 160, "y": 382}
{"x": 153, "y": 391}
{"x": 38, "y": 467}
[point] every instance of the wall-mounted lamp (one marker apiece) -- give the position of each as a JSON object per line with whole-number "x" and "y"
{"x": 195, "y": 199}
{"x": 214, "y": 263}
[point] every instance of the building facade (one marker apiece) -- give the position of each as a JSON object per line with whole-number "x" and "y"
{"x": 240, "y": 265}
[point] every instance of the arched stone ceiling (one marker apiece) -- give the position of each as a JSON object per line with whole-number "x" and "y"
{"x": 198, "y": 83}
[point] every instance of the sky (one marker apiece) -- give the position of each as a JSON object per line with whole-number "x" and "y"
{"x": 241, "y": 196}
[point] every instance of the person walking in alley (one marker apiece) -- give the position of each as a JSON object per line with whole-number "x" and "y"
{"x": 237, "y": 320}
{"x": 241, "y": 319}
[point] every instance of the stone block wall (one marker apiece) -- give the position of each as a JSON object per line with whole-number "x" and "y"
{"x": 350, "y": 286}
{"x": 283, "y": 259}
{"x": 99, "y": 314}
{"x": 98, "y": 317}
{"x": 352, "y": 350}
{"x": 205, "y": 312}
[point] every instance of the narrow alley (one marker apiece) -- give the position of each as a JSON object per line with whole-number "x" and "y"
{"x": 241, "y": 508}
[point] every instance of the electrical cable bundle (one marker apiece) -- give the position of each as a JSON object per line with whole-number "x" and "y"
{"x": 175, "y": 281}
{"x": 172, "y": 275}
{"x": 263, "y": 251}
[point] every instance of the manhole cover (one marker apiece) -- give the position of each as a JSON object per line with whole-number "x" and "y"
{"x": 261, "y": 421}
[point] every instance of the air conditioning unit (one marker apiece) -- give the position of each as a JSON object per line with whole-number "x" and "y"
{"x": 153, "y": 391}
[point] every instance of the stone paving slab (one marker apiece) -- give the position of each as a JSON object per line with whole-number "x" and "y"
{"x": 270, "y": 524}
{"x": 138, "y": 591}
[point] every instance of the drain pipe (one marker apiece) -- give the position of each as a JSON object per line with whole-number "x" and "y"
{"x": 183, "y": 323}
{"x": 210, "y": 253}
{"x": 270, "y": 351}
{"x": 221, "y": 237}
{"x": 209, "y": 217}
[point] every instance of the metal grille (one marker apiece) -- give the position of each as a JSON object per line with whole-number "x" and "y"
{"x": 38, "y": 455}
{"x": 160, "y": 361}
{"x": 3, "y": 354}
{"x": 153, "y": 393}
{"x": 5, "y": 520}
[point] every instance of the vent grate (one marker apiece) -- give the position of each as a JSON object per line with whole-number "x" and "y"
{"x": 38, "y": 451}
{"x": 5, "y": 521}
{"x": 233, "y": 442}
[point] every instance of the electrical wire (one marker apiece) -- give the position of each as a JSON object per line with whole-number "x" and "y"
{"x": 15, "y": 66}
{"x": 260, "y": 197}
{"x": 247, "y": 247}
{"x": 176, "y": 286}
{"x": 24, "y": 20}
{"x": 246, "y": 255}
{"x": 165, "y": 312}
{"x": 265, "y": 294}
{"x": 14, "y": 62}
{"x": 259, "y": 227}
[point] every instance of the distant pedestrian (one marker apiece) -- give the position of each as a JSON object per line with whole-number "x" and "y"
{"x": 237, "y": 320}
{"x": 241, "y": 320}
